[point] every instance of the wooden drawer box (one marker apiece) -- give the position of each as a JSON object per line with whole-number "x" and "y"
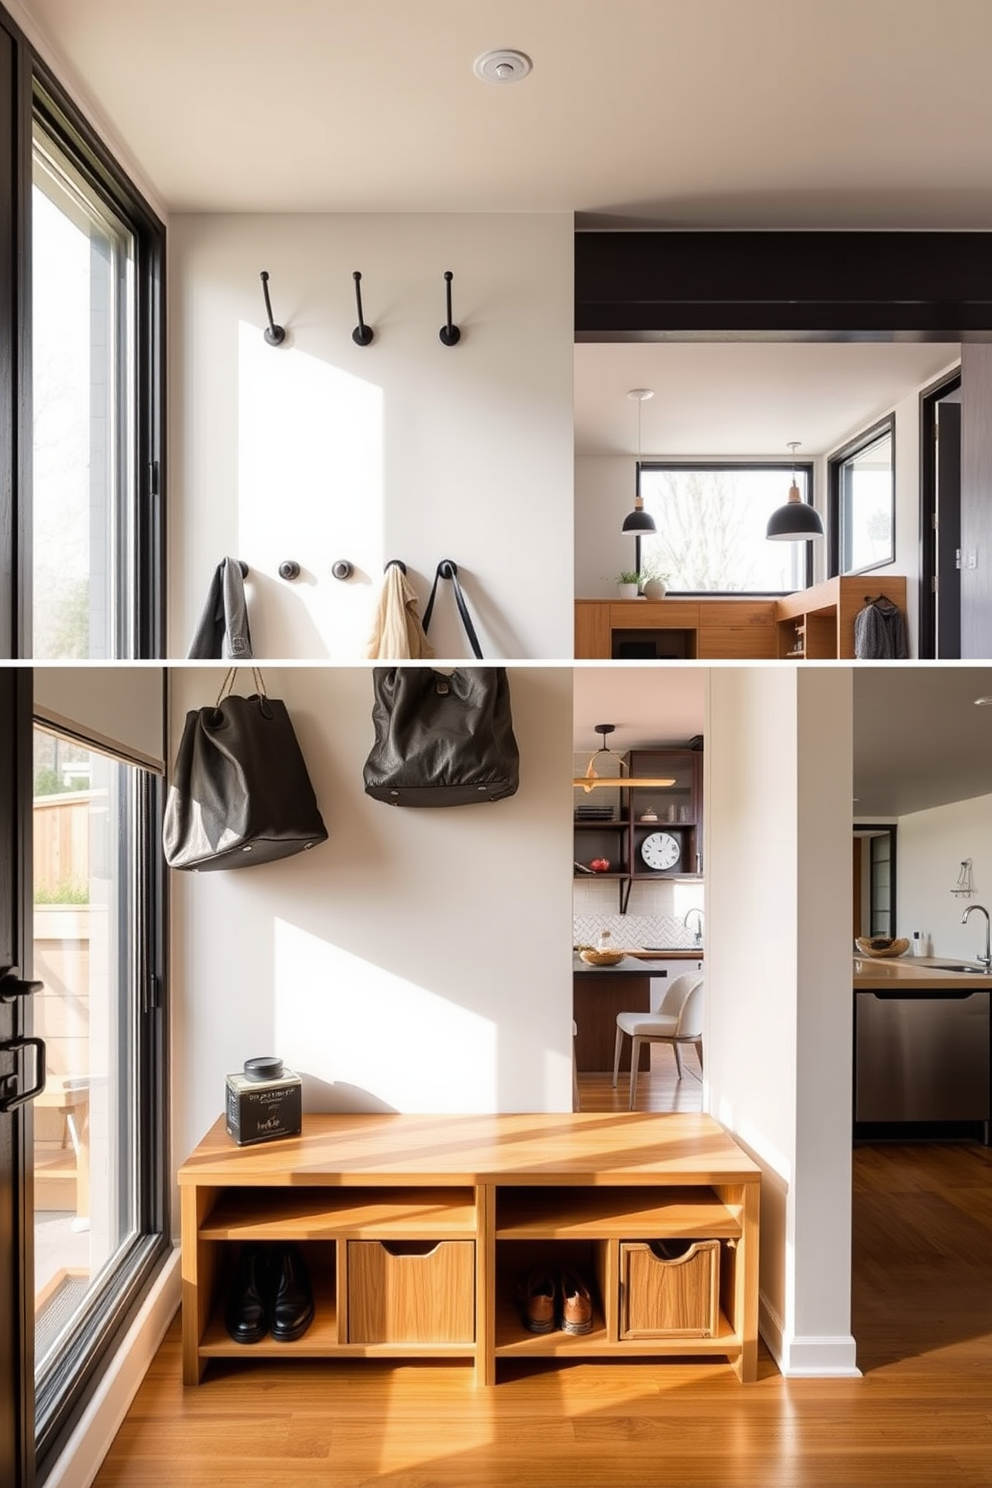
{"x": 669, "y": 1288}
{"x": 411, "y": 1292}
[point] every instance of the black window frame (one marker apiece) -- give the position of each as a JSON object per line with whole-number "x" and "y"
{"x": 882, "y": 428}
{"x": 787, "y": 467}
{"x": 110, "y": 1311}
{"x": 36, "y": 92}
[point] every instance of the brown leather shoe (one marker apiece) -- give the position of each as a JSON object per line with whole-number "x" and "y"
{"x": 576, "y": 1303}
{"x": 537, "y": 1294}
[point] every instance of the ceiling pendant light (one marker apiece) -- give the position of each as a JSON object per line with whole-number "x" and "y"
{"x": 797, "y": 520}
{"x": 592, "y": 778}
{"x": 639, "y": 521}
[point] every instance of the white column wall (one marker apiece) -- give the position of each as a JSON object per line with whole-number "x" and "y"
{"x": 418, "y": 961}
{"x": 319, "y": 450}
{"x": 778, "y": 1043}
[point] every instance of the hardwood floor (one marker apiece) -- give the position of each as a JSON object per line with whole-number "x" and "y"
{"x": 921, "y": 1417}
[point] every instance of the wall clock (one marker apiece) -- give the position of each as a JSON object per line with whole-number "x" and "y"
{"x": 661, "y": 850}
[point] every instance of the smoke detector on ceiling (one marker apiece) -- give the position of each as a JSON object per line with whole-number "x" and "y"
{"x": 502, "y": 66}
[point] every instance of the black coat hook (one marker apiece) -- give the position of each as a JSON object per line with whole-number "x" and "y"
{"x": 290, "y": 569}
{"x": 362, "y": 334}
{"x": 397, "y": 562}
{"x": 342, "y": 569}
{"x": 274, "y": 335}
{"x": 450, "y": 334}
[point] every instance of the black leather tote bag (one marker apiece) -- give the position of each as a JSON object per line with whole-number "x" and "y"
{"x": 441, "y": 740}
{"x": 240, "y": 793}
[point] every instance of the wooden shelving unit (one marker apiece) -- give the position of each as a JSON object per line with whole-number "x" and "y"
{"x": 812, "y": 624}
{"x": 417, "y": 1229}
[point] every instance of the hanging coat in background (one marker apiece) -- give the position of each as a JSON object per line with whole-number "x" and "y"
{"x": 222, "y": 631}
{"x": 397, "y": 633}
{"x": 880, "y": 632}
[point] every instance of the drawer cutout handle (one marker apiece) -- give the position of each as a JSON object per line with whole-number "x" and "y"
{"x": 410, "y": 1247}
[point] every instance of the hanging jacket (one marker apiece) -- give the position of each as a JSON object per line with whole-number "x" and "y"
{"x": 880, "y": 632}
{"x": 223, "y": 629}
{"x": 396, "y": 629}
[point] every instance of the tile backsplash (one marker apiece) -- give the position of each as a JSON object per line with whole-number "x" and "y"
{"x": 634, "y": 930}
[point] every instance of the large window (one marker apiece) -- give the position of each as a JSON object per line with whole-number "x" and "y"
{"x": 710, "y": 528}
{"x": 862, "y": 501}
{"x": 99, "y": 1218}
{"x": 82, "y": 319}
{"x": 81, "y": 385}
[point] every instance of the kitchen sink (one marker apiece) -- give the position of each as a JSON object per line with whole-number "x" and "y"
{"x": 955, "y": 966}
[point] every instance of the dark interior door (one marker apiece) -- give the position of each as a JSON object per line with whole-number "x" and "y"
{"x": 17, "y": 1073}
{"x": 948, "y": 529}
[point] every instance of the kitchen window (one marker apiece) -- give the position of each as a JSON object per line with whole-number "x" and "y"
{"x": 861, "y": 479}
{"x": 710, "y": 522}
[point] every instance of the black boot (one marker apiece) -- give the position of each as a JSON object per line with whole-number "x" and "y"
{"x": 247, "y": 1315}
{"x": 291, "y": 1296}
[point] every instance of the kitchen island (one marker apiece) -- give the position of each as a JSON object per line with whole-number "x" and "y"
{"x": 600, "y": 992}
{"x": 922, "y": 1059}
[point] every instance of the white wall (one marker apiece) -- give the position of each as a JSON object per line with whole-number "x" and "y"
{"x": 419, "y": 960}
{"x": 778, "y": 975}
{"x": 319, "y": 450}
{"x": 930, "y": 847}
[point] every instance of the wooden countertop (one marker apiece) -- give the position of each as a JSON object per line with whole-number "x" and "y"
{"x": 637, "y": 962}
{"x": 914, "y": 974}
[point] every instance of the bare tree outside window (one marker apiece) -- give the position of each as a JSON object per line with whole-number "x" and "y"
{"x": 711, "y": 523}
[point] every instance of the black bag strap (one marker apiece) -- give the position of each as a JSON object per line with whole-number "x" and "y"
{"x": 228, "y": 684}
{"x": 447, "y": 569}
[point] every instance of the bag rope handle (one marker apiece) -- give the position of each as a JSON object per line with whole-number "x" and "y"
{"x": 447, "y": 569}
{"x": 228, "y": 684}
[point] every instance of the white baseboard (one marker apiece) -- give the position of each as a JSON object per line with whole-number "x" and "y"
{"x": 807, "y": 1356}
{"x": 79, "y": 1462}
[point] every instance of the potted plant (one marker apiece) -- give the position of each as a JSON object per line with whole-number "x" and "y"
{"x": 655, "y": 584}
{"x": 628, "y": 583}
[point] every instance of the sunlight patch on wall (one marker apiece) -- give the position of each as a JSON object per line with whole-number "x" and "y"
{"x": 310, "y": 490}
{"x": 367, "y": 1039}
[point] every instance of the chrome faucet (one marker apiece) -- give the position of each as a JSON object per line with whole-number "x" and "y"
{"x": 699, "y": 927}
{"x": 985, "y": 960}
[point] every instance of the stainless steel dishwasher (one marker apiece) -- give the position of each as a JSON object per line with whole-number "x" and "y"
{"x": 922, "y": 1058}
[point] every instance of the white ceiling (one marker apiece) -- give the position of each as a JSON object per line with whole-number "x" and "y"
{"x": 919, "y": 739}
{"x": 649, "y": 705}
{"x": 742, "y": 113}
{"x": 743, "y": 398}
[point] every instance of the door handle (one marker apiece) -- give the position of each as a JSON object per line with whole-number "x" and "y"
{"x": 12, "y": 986}
{"x": 10, "y": 1099}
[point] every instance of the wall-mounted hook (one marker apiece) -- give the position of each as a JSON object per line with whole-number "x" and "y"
{"x": 362, "y": 334}
{"x": 274, "y": 335}
{"x": 342, "y": 569}
{"x": 450, "y": 334}
{"x": 448, "y": 568}
{"x": 395, "y": 563}
{"x": 290, "y": 569}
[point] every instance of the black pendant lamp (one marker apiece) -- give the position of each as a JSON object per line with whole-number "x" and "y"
{"x": 639, "y": 521}
{"x": 797, "y": 520}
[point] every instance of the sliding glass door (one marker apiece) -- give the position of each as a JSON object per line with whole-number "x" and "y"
{"x": 19, "y": 1073}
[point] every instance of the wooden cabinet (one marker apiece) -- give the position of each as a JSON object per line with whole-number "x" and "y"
{"x": 812, "y": 624}
{"x": 417, "y": 1231}
{"x": 633, "y": 816}
{"x": 817, "y": 624}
